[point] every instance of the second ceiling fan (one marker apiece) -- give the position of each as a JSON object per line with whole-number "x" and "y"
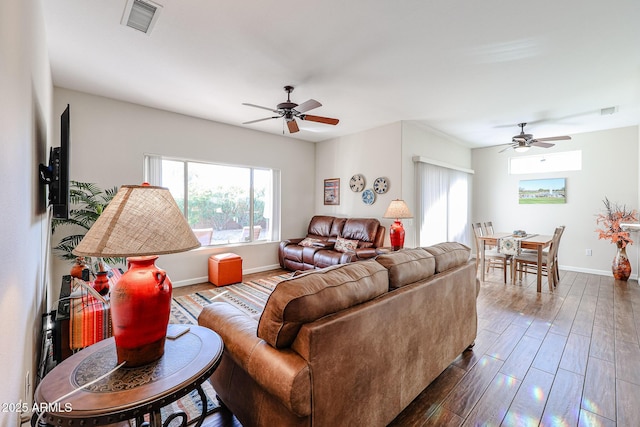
{"x": 289, "y": 111}
{"x": 524, "y": 141}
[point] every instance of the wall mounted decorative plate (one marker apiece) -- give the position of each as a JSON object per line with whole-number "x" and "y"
{"x": 381, "y": 185}
{"x": 357, "y": 182}
{"x": 368, "y": 196}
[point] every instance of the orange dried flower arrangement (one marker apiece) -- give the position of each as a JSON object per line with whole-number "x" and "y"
{"x": 610, "y": 221}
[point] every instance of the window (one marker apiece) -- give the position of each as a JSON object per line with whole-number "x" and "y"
{"x": 541, "y": 163}
{"x": 443, "y": 203}
{"x": 223, "y": 204}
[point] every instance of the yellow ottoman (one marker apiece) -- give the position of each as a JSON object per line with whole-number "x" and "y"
{"x": 225, "y": 269}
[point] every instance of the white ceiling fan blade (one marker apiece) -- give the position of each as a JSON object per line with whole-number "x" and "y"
{"x": 506, "y": 148}
{"x": 260, "y": 120}
{"x": 537, "y": 143}
{"x": 554, "y": 138}
{"x": 308, "y": 105}
{"x": 260, "y": 106}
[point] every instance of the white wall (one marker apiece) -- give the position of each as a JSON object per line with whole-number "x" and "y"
{"x": 373, "y": 153}
{"x": 110, "y": 138}
{"x": 609, "y": 169}
{"x": 25, "y": 111}
{"x": 418, "y": 140}
{"x": 384, "y": 151}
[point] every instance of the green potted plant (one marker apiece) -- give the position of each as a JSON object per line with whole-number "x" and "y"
{"x": 87, "y": 204}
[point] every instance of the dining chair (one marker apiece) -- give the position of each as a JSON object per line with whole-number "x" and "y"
{"x": 528, "y": 261}
{"x": 545, "y": 253}
{"x": 488, "y": 227}
{"x": 493, "y": 258}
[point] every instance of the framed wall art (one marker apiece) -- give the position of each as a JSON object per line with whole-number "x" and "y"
{"x": 332, "y": 191}
{"x": 542, "y": 191}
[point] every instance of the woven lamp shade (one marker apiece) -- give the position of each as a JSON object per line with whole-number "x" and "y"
{"x": 140, "y": 220}
{"x": 398, "y": 209}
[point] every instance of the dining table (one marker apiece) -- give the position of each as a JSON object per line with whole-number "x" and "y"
{"x": 537, "y": 242}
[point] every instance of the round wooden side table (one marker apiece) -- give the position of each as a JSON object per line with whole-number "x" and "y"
{"x": 129, "y": 393}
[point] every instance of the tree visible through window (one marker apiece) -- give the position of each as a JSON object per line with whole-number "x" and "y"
{"x": 223, "y": 204}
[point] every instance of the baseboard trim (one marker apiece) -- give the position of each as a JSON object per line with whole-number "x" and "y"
{"x": 589, "y": 271}
{"x": 203, "y": 279}
{"x": 593, "y": 271}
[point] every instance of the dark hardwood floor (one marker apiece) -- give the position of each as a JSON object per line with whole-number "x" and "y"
{"x": 567, "y": 358}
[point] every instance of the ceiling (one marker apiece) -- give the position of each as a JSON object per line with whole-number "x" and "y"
{"x": 468, "y": 70}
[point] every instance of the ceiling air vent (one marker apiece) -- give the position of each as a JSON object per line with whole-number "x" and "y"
{"x": 141, "y": 15}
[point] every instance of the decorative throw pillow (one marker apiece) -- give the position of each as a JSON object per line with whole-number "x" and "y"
{"x": 310, "y": 242}
{"x": 345, "y": 245}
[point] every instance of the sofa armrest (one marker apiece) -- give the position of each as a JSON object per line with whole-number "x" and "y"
{"x": 365, "y": 253}
{"x": 284, "y": 244}
{"x": 283, "y": 373}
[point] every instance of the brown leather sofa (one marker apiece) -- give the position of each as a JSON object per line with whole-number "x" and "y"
{"x": 323, "y": 233}
{"x": 350, "y": 345}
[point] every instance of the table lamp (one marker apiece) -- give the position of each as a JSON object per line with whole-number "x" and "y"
{"x": 141, "y": 222}
{"x": 397, "y": 209}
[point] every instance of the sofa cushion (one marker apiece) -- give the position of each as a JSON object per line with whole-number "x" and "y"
{"x": 364, "y": 229}
{"x": 310, "y": 296}
{"x": 407, "y": 266}
{"x": 320, "y": 225}
{"x": 345, "y": 245}
{"x": 449, "y": 255}
{"x": 336, "y": 228}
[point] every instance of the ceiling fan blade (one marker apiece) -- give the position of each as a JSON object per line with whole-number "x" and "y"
{"x": 260, "y": 106}
{"x": 319, "y": 119}
{"x": 308, "y": 105}
{"x": 537, "y": 143}
{"x": 505, "y": 149}
{"x": 260, "y": 120}
{"x": 554, "y": 138}
{"x": 293, "y": 126}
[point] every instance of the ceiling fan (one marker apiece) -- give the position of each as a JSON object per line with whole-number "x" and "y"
{"x": 290, "y": 110}
{"x": 524, "y": 141}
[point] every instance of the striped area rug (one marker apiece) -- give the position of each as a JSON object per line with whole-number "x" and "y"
{"x": 250, "y": 296}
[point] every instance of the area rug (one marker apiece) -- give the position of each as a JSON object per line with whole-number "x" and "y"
{"x": 250, "y": 297}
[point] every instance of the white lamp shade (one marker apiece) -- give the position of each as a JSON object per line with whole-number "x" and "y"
{"x": 140, "y": 220}
{"x": 398, "y": 209}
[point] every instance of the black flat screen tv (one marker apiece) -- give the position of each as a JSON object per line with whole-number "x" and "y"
{"x": 56, "y": 174}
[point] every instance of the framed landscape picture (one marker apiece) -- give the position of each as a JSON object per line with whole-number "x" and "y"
{"x": 332, "y": 191}
{"x": 542, "y": 191}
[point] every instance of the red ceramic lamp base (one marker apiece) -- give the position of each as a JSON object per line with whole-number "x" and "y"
{"x": 140, "y": 309}
{"x": 396, "y": 235}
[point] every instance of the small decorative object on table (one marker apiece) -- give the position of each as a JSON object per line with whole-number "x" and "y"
{"x": 101, "y": 284}
{"x": 519, "y": 233}
{"x": 76, "y": 270}
{"x": 611, "y": 230}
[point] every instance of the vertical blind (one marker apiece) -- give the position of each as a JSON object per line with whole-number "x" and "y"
{"x": 443, "y": 204}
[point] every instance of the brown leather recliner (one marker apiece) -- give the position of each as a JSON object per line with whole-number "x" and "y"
{"x": 325, "y": 230}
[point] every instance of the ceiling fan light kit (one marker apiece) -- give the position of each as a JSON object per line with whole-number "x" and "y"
{"x": 289, "y": 111}
{"x": 523, "y": 141}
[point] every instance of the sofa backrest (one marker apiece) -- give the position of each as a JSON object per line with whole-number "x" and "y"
{"x": 320, "y": 225}
{"x": 310, "y": 296}
{"x": 364, "y": 230}
{"x": 367, "y": 231}
{"x": 449, "y": 255}
{"x": 407, "y": 266}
